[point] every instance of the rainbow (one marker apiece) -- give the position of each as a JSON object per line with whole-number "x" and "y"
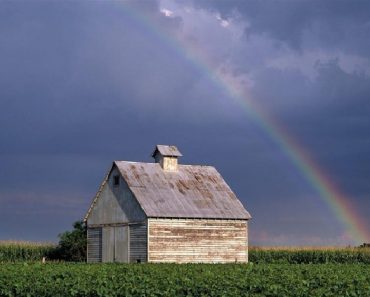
{"x": 338, "y": 202}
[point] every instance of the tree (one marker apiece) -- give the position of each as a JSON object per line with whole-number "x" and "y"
{"x": 72, "y": 244}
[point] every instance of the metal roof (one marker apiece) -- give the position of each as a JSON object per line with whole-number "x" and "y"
{"x": 191, "y": 192}
{"x": 167, "y": 150}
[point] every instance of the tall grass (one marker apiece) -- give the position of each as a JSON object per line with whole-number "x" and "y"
{"x": 17, "y": 251}
{"x": 309, "y": 255}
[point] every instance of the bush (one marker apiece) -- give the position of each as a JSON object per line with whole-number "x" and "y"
{"x": 72, "y": 244}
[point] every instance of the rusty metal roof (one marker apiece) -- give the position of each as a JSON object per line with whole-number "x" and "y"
{"x": 191, "y": 192}
{"x": 167, "y": 150}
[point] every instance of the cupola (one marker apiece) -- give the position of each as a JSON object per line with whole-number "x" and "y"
{"x": 167, "y": 156}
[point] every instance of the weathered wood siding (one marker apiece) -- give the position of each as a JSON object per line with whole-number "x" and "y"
{"x": 138, "y": 243}
{"x": 112, "y": 213}
{"x": 197, "y": 240}
{"x": 115, "y": 244}
{"x": 94, "y": 245}
{"x": 116, "y": 204}
{"x": 121, "y": 244}
{"x": 108, "y": 244}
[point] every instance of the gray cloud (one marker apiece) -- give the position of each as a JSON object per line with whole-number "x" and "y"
{"x": 82, "y": 84}
{"x": 304, "y": 24}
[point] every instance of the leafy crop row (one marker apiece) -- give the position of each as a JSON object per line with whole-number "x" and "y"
{"x": 310, "y": 256}
{"x": 184, "y": 280}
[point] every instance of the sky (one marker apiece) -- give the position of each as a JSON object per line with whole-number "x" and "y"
{"x": 83, "y": 83}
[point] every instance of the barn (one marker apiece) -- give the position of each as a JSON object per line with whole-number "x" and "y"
{"x": 166, "y": 212}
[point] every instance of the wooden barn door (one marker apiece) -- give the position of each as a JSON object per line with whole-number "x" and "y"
{"x": 121, "y": 244}
{"x": 115, "y": 244}
{"x": 108, "y": 244}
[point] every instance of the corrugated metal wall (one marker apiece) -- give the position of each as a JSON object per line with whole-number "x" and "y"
{"x": 197, "y": 240}
{"x": 94, "y": 245}
{"x": 138, "y": 243}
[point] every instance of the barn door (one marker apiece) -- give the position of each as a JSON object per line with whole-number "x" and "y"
{"x": 115, "y": 244}
{"x": 121, "y": 244}
{"x": 108, "y": 244}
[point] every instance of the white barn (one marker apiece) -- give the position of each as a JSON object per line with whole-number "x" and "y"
{"x": 166, "y": 212}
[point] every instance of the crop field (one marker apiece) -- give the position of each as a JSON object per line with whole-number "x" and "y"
{"x": 15, "y": 251}
{"x": 271, "y": 272}
{"x": 309, "y": 255}
{"x": 63, "y": 279}
{"x": 23, "y": 251}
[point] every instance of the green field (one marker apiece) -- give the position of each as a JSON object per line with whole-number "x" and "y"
{"x": 311, "y": 255}
{"x": 271, "y": 272}
{"x": 62, "y": 279}
{"x": 20, "y": 251}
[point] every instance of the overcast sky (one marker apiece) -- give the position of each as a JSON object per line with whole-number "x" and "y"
{"x": 83, "y": 83}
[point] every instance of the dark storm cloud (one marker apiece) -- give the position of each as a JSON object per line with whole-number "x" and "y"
{"x": 329, "y": 117}
{"x": 334, "y": 94}
{"x": 304, "y": 24}
{"x": 330, "y": 110}
{"x": 82, "y": 84}
{"x": 66, "y": 67}
{"x": 318, "y": 88}
{"x": 85, "y": 83}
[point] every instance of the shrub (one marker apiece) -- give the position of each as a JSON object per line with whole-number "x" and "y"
{"x": 72, "y": 244}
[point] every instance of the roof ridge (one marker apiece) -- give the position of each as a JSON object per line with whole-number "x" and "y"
{"x": 180, "y": 165}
